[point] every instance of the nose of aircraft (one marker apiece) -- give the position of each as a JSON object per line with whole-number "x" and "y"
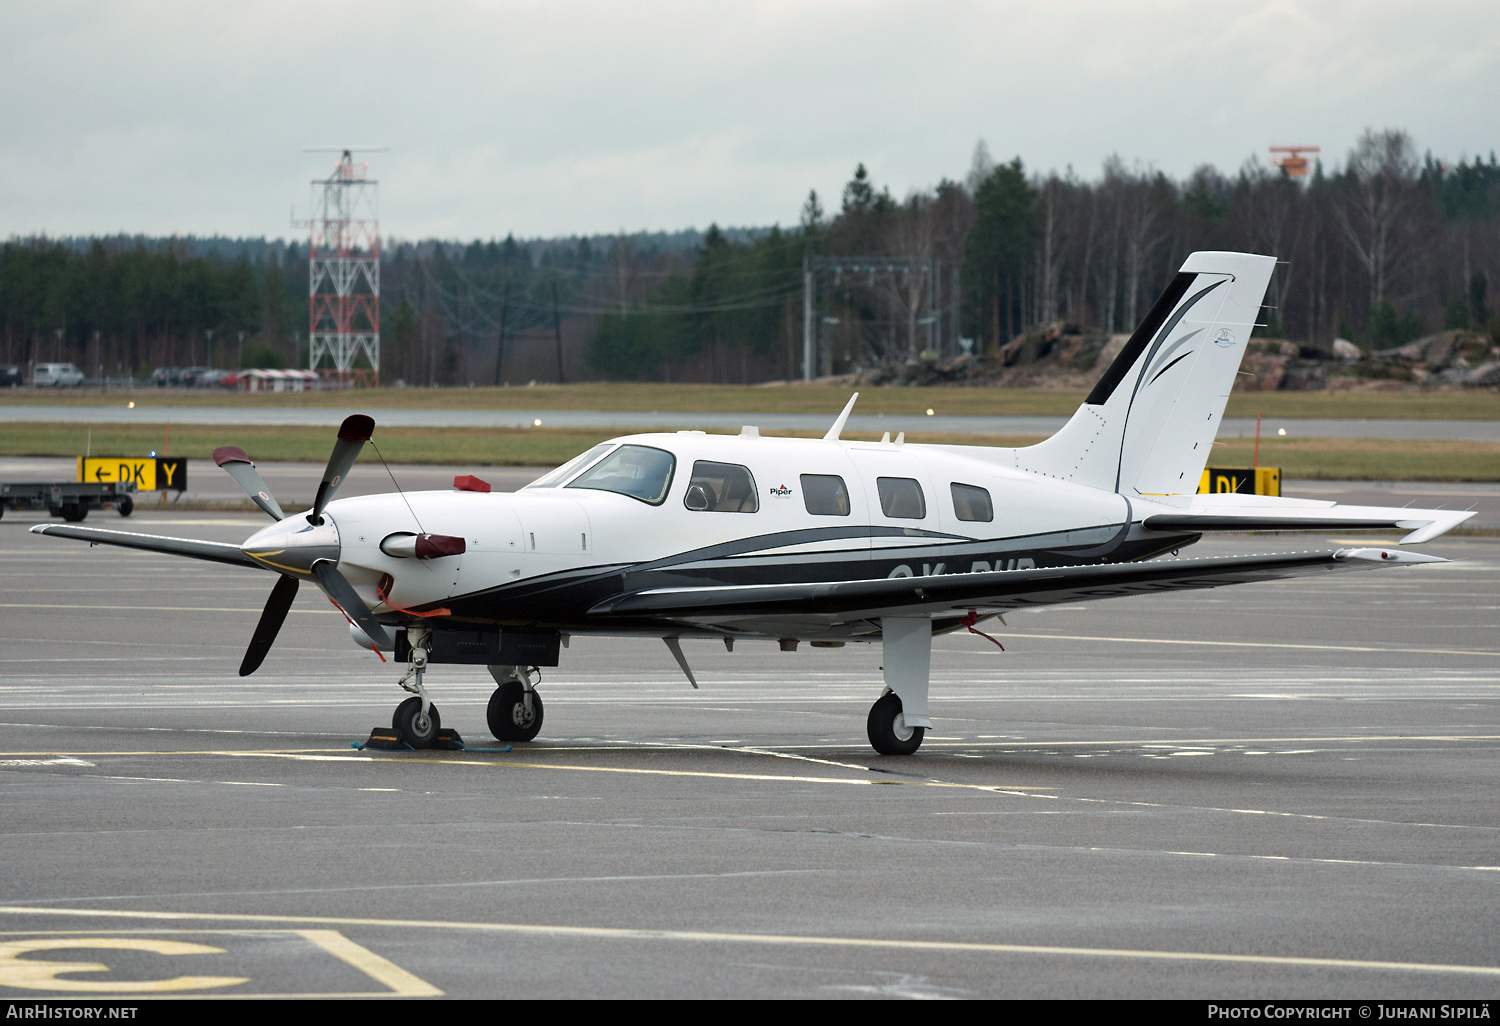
{"x": 293, "y": 545}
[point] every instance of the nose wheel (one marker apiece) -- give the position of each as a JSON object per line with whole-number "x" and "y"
{"x": 416, "y": 728}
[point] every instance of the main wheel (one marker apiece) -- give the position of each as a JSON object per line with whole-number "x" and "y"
{"x": 125, "y": 506}
{"x": 412, "y": 727}
{"x": 887, "y": 728}
{"x": 507, "y": 714}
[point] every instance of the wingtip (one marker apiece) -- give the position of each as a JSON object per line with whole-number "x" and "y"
{"x": 1392, "y": 556}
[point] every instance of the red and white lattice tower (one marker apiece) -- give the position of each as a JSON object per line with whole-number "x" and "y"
{"x": 343, "y": 277}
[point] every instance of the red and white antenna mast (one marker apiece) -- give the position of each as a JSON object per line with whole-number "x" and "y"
{"x": 343, "y": 274}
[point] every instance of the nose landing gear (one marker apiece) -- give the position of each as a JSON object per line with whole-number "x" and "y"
{"x": 416, "y": 720}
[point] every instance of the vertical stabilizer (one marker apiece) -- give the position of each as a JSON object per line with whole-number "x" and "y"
{"x": 1147, "y": 426}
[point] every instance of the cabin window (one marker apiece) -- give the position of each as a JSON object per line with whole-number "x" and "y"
{"x": 721, "y": 488}
{"x": 573, "y": 466}
{"x": 824, "y": 495}
{"x": 971, "y": 502}
{"x": 901, "y": 498}
{"x": 639, "y": 471}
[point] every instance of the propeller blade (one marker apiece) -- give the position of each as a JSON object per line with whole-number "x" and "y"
{"x": 270, "y": 624}
{"x": 338, "y": 588}
{"x": 353, "y": 434}
{"x": 238, "y": 466}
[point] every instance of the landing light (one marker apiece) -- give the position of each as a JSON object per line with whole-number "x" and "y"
{"x": 929, "y": 413}
{"x": 538, "y": 423}
{"x": 1281, "y": 431}
{"x": 130, "y": 405}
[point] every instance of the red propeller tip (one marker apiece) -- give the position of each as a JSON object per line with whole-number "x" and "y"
{"x": 357, "y": 428}
{"x": 230, "y": 454}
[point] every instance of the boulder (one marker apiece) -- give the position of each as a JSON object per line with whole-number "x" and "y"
{"x": 1345, "y": 350}
{"x": 1484, "y": 375}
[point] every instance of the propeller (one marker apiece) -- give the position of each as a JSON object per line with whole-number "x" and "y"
{"x": 354, "y": 432}
{"x": 297, "y": 547}
{"x": 347, "y": 599}
{"x": 238, "y": 466}
{"x": 271, "y": 618}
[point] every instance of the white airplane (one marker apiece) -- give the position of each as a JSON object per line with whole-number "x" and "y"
{"x": 745, "y": 538}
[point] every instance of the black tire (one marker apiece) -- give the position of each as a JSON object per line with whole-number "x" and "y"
{"x": 74, "y": 512}
{"x": 507, "y": 713}
{"x": 887, "y": 737}
{"x": 125, "y": 506}
{"x": 404, "y": 720}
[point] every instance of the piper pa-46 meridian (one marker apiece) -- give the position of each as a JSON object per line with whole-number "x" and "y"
{"x": 742, "y": 538}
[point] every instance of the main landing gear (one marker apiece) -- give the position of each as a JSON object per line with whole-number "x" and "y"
{"x": 898, "y": 720}
{"x": 889, "y": 732}
{"x": 515, "y": 709}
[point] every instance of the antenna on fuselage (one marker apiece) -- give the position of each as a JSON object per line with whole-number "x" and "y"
{"x": 387, "y": 466}
{"x": 838, "y": 425}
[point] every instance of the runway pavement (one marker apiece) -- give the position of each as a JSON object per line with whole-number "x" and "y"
{"x": 1276, "y": 790}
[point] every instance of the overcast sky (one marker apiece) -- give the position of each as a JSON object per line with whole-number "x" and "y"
{"x": 553, "y": 118}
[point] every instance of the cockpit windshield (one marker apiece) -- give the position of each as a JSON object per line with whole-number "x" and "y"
{"x": 573, "y": 466}
{"x": 638, "y": 471}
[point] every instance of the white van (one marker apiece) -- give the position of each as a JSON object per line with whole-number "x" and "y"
{"x": 57, "y": 375}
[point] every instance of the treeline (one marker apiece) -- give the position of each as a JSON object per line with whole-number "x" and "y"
{"x": 1380, "y": 250}
{"x": 1384, "y": 249}
{"x": 120, "y": 307}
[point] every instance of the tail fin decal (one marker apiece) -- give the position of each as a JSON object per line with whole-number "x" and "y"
{"x": 1106, "y": 385}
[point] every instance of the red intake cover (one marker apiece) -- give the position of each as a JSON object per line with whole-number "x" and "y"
{"x": 435, "y": 546}
{"x": 469, "y": 483}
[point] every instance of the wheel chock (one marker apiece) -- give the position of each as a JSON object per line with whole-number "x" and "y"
{"x": 385, "y": 739}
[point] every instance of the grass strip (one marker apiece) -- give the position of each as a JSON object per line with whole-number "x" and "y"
{"x": 1470, "y": 404}
{"x": 1343, "y": 459}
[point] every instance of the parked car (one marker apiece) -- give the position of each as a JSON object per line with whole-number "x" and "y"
{"x": 207, "y": 377}
{"x": 164, "y": 376}
{"x": 190, "y": 375}
{"x": 12, "y": 377}
{"x": 57, "y": 375}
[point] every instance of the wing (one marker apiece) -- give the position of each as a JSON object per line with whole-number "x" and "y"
{"x": 994, "y": 591}
{"x": 1233, "y": 512}
{"x": 217, "y": 552}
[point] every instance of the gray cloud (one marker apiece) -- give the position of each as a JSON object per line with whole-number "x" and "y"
{"x": 552, "y": 118}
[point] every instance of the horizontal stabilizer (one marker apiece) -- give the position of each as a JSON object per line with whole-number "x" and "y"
{"x": 1234, "y": 512}
{"x": 217, "y": 552}
{"x": 995, "y": 591}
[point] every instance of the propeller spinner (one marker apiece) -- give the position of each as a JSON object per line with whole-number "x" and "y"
{"x": 302, "y": 546}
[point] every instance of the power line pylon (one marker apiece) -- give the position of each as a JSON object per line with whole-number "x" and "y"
{"x": 343, "y": 276}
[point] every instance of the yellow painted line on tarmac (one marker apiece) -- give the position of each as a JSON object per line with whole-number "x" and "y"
{"x": 781, "y": 940}
{"x": 37, "y": 974}
{"x": 401, "y": 982}
{"x": 1254, "y": 644}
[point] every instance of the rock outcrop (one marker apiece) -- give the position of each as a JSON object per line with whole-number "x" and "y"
{"x": 1063, "y": 356}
